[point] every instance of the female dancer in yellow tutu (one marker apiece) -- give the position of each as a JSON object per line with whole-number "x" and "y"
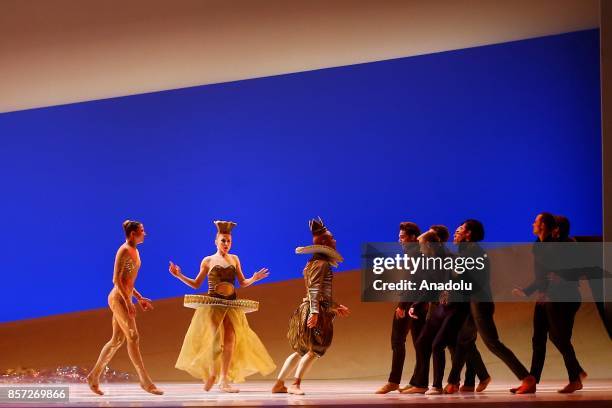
{"x": 219, "y": 339}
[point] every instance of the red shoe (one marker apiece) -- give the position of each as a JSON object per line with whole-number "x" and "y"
{"x": 483, "y": 385}
{"x": 451, "y": 388}
{"x": 466, "y": 388}
{"x": 571, "y": 387}
{"x": 528, "y": 386}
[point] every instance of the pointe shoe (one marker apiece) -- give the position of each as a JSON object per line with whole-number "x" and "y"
{"x": 279, "y": 387}
{"x": 528, "y": 386}
{"x": 295, "y": 390}
{"x": 451, "y": 388}
{"x": 226, "y": 387}
{"x": 94, "y": 387}
{"x": 209, "y": 383}
{"x": 152, "y": 389}
{"x": 434, "y": 391}
{"x": 483, "y": 385}
{"x": 466, "y": 388}
{"x": 415, "y": 390}
{"x": 571, "y": 387}
{"x": 388, "y": 387}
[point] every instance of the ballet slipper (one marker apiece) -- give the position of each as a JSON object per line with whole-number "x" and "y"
{"x": 484, "y": 384}
{"x": 279, "y": 387}
{"x": 388, "y": 387}
{"x": 571, "y": 387}
{"x": 528, "y": 385}
{"x": 224, "y": 386}
{"x": 295, "y": 390}
{"x": 451, "y": 388}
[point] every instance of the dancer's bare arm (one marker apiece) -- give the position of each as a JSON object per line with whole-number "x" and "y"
{"x": 194, "y": 283}
{"x": 257, "y": 276}
{"x": 145, "y": 303}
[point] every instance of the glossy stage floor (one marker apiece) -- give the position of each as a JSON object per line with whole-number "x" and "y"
{"x": 336, "y": 393}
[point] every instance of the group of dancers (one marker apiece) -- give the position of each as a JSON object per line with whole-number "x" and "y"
{"x": 219, "y": 345}
{"x": 455, "y": 323}
{"x": 221, "y": 348}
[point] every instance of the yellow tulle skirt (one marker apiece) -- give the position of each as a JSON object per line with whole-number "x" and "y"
{"x": 203, "y": 346}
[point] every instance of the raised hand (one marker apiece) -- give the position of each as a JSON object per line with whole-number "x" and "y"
{"x": 260, "y": 274}
{"x": 400, "y": 313}
{"x": 412, "y": 314}
{"x": 343, "y": 311}
{"x": 174, "y": 269}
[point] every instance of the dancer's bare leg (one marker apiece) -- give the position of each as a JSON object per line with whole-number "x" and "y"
{"x": 130, "y": 331}
{"x": 229, "y": 341}
{"x": 303, "y": 366}
{"x": 215, "y": 323}
{"x": 289, "y": 366}
{"x": 107, "y": 353}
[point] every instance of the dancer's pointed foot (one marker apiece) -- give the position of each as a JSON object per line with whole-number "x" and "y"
{"x": 388, "y": 387}
{"x": 226, "y": 387}
{"x": 279, "y": 387}
{"x": 571, "y": 387}
{"x": 484, "y": 384}
{"x": 295, "y": 390}
{"x": 94, "y": 386}
{"x": 466, "y": 388}
{"x": 528, "y": 386}
{"x": 209, "y": 382}
{"x": 152, "y": 389}
{"x": 451, "y": 388}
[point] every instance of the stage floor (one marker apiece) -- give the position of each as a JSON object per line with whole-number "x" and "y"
{"x": 332, "y": 393}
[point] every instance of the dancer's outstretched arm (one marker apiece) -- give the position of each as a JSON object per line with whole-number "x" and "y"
{"x": 194, "y": 283}
{"x": 257, "y": 276}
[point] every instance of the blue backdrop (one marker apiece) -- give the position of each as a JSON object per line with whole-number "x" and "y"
{"x": 496, "y": 132}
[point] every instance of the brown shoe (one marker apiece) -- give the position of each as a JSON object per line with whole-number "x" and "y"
{"x": 402, "y": 389}
{"x": 484, "y": 384}
{"x": 528, "y": 386}
{"x": 571, "y": 387}
{"x": 466, "y": 388}
{"x": 279, "y": 387}
{"x": 415, "y": 390}
{"x": 388, "y": 387}
{"x": 451, "y": 388}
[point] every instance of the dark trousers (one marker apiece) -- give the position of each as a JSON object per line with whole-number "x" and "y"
{"x": 560, "y": 316}
{"x": 399, "y": 332}
{"x": 466, "y": 353}
{"x": 423, "y": 346}
{"x": 538, "y": 340}
{"x": 482, "y": 315}
{"x": 440, "y": 332}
